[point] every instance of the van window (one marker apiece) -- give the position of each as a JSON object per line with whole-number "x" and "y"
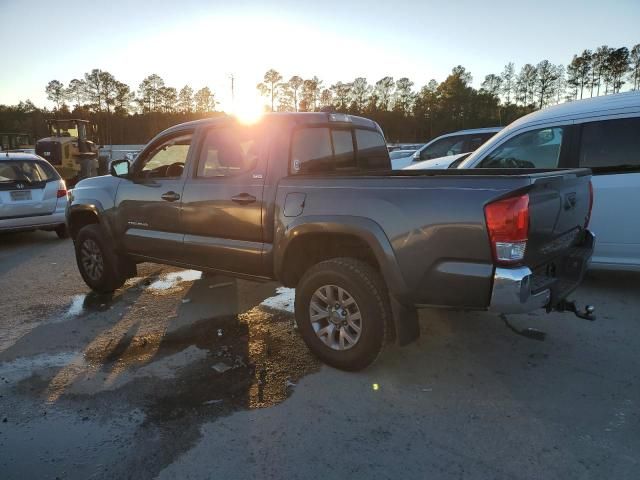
{"x": 610, "y": 144}
{"x": 372, "y": 150}
{"x": 533, "y": 149}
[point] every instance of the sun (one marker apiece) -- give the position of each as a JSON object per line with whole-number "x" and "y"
{"x": 248, "y": 110}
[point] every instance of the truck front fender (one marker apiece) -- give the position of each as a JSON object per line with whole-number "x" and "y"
{"x": 89, "y": 211}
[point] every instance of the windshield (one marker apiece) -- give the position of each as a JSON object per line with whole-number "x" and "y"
{"x": 63, "y": 129}
{"x": 400, "y": 154}
{"x": 24, "y": 171}
{"x": 439, "y": 148}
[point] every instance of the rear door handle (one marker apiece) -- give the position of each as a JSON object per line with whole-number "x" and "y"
{"x": 244, "y": 199}
{"x": 170, "y": 196}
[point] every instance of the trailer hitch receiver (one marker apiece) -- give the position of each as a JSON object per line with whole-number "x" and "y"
{"x": 570, "y": 306}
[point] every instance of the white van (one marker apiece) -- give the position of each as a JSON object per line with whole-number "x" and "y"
{"x": 600, "y": 133}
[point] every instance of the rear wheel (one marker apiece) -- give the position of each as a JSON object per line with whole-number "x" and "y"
{"x": 61, "y": 231}
{"x": 98, "y": 263}
{"x": 342, "y": 309}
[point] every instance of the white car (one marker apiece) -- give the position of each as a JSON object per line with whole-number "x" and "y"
{"x": 450, "y": 144}
{"x": 396, "y": 154}
{"x": 600, "y": 133}
{"x": 437, "y": 163}
{"x": 32, "y": 195}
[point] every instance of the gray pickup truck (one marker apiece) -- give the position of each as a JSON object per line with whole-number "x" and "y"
{"x": 309, "y": 199}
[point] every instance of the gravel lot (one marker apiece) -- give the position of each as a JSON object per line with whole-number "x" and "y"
{"x": 177, "y": 376}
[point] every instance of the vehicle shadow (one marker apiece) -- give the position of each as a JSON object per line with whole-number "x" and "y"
{"x": 180, "y": 356}
{"x": 227, "y": 351}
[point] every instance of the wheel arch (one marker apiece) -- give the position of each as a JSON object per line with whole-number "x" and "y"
{"x": 80, "y": 215}
{"x": 309, "y": 240}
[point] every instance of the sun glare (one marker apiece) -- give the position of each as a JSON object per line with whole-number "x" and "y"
{"x": 248, "y": 110}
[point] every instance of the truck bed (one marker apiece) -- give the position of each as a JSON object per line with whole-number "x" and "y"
{"x": 435, "y": 223}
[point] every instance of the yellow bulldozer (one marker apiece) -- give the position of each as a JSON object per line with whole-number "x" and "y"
{"x": 72, "y": 148}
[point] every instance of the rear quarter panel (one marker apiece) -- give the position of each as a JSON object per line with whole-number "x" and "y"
{"x": 434, "y": 226}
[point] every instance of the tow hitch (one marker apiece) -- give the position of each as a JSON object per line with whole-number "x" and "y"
{"x": 570, "y": 306}
{"x": 564, "y": 306}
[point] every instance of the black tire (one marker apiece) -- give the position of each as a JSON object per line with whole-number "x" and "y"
{"x": 108, "y": 278}
{"x": 61, "y": 231}
{"x": 367, "y": 288}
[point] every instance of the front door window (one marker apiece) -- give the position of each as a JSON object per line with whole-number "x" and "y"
{"x": 168, "y": 159}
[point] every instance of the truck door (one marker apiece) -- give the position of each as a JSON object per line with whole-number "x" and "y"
{"x": 148, "y": 203}
{"x": 222, "y": 203}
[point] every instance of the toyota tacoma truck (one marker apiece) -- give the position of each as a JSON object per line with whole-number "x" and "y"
{"x": 310, "y": 200}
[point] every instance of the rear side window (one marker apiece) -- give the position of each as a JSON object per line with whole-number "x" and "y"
{"x": 343, "y": 149}
{"x": 611, "y": 144}
{"x": 311, "y": 151}
{"x": 372, "y": 150}
{"x": 322, "y": 149}
{"x": 533, "y": 149}
{"x": 228, "y": 151}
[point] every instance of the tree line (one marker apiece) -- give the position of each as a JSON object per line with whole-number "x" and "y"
{"x": 435, "y": 108}
{"x": 100, "y": 91}
{"x": 405, "y": 112}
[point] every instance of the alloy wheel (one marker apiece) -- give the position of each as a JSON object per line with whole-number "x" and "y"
{"x": 335, "y": 317}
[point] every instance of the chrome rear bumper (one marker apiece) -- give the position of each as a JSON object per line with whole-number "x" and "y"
{"x": 513, "y": 288}
{"x": 512, "y": 292}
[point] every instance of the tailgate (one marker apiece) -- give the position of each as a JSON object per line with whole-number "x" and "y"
{"x": 22, "y": 199}
{"x": 559, "y": 206}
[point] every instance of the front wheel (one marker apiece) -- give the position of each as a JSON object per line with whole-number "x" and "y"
{"x": 342, "y": 311}
{"x": 97, "y": 262}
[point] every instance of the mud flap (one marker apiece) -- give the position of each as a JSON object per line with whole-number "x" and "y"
{"x": 405, "y": 321}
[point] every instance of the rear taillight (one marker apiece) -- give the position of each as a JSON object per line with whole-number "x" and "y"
{"x": 588, "y": 219}
{"x": 508, "y": 227}
{"x": 62, "y": 190}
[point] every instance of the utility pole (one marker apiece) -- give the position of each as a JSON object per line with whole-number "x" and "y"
{"x": 233, "y": 97}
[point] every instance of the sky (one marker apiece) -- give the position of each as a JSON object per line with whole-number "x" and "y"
{"x": 202, "y": 43}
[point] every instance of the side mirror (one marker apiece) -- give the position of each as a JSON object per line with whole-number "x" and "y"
{"x": 119, "y": 168}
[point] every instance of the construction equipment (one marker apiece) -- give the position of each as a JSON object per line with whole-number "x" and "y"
{"x": 16, "y": 142}
{"x": 72, "y": 148}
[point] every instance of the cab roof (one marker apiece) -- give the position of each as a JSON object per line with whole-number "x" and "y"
{"x": 289, "y": 117}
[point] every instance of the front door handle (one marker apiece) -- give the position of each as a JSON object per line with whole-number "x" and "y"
{"x": 244, "y": 199}
{"x": 170, "y": 196}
